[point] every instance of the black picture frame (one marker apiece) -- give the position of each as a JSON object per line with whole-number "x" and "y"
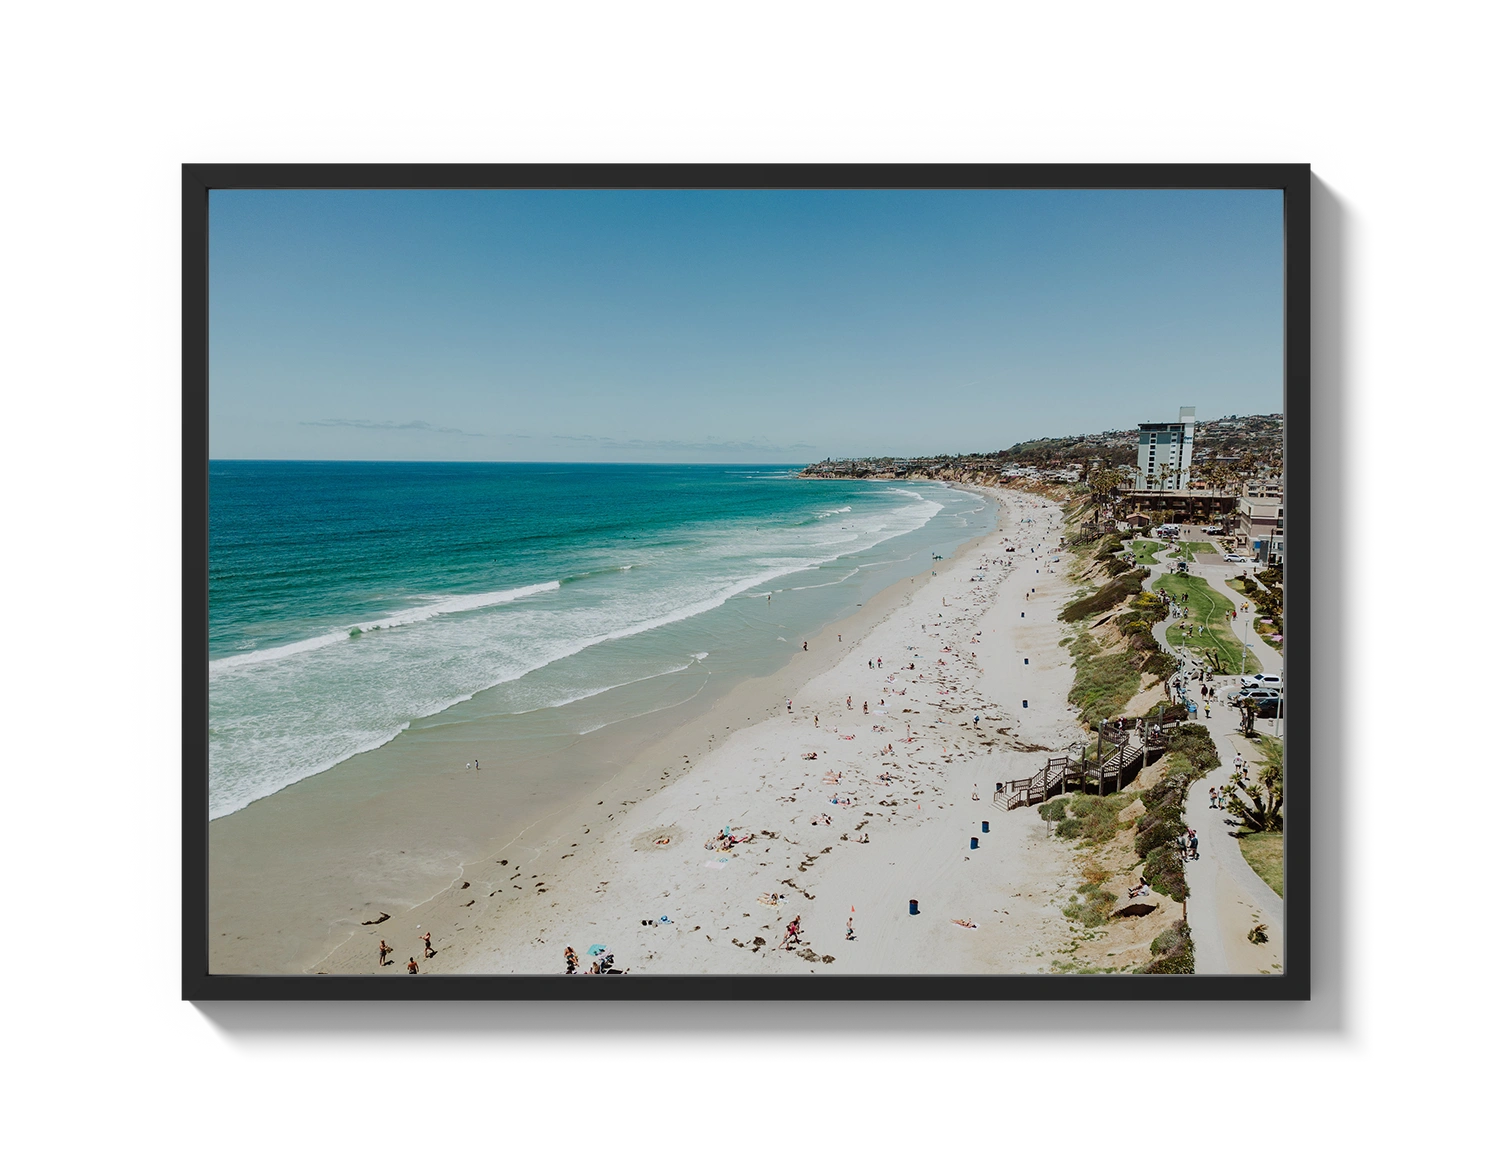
{"x": 1329, "y": 236}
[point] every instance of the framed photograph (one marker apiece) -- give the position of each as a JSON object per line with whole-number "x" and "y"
{"x": 755, "y": 582}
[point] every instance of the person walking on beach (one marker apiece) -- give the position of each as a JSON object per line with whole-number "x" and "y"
{"x": 570, "y": 960}
{"x": 426, "y": 941}
{"x": 804, "y": 645}
{"x": 384, "y": 951}
{"x": 411, "y": 965}
{"x": 849, "y": 928}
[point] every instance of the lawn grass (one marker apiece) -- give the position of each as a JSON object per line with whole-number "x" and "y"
{"x": 1262, "y": 630}
{"x": 1145, "y": 551}
{"x": 1212, "y": 610}
{"x": 1264, "y": 853}
{"x": 1200, "y": 546}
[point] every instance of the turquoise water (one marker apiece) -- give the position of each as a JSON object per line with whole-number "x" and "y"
{"x": 348, "y": 600}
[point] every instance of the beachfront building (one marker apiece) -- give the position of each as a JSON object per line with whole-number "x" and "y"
{"x": 1185, "y": 506}
{"x": 1164, "y": 453}
{"x": 1259, "y": 531}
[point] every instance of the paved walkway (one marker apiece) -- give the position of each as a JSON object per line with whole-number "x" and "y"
{"x": 1226, "y": 898}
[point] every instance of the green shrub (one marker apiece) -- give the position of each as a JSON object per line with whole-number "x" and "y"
{"x": 1168, "y": 940}
{"x": 1173, "y": 949}
{"x": 1102, "y": 683}
{"x": 1161, "y": 830}
{"x": 1104, "y": 599}
{"x": 1054, "y": 810}
{"x": 1192, "y": 743}
{"x": 1163, "y": 872}
{"x": 1098, "y": 817}
{"x": 1160, "y": 664}
{"x": 1093, "y": 910}
{"x": 1070, "y": 829}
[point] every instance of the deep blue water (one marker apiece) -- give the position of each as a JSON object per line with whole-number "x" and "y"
{"x": 348, "y": 599}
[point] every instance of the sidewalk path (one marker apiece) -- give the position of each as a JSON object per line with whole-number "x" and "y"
{"x": 1226, "y": 898}
{"x": 1268, "y": 652}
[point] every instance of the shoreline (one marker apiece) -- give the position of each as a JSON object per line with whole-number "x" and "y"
{"x": 739, "y": 757}
{"x": 391, "y": 845}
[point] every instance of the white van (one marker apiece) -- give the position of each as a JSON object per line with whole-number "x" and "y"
{"x": 1269, "y": 681}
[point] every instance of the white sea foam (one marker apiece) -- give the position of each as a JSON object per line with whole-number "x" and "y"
{"x": 405, "y": 617}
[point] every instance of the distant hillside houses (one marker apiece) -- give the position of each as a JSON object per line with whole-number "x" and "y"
{"x": 1224, "y": 450}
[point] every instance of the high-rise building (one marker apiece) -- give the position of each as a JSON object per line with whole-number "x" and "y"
{"x": 1164, "y": 454}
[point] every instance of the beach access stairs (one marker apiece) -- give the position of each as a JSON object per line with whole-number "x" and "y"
{"x": 1116, "y": 762}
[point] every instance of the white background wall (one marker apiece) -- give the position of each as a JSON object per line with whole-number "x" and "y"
{"x": 86, "y": 86}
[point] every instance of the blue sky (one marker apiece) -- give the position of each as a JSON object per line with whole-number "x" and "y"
{"x": 747, "y": 327}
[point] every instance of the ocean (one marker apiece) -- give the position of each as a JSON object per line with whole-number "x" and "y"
{"x": 349, "y": 602}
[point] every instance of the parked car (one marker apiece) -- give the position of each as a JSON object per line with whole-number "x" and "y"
{"x": 1271, "y": 681}
{"x": 1269, "y": 706}
{"x": 1235, "y": 559}
{"x": 1256, "y": 693}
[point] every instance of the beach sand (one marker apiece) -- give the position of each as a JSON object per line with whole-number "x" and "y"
{"x": 591, "y": 873}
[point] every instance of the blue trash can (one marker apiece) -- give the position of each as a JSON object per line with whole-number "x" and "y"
{"x": 973, "y": 842}
{"x": 984, "y": 826}
{"x": 1025, "y": 662}
{"x": 914, "y": 909}
{"x": 1023, "y": 702}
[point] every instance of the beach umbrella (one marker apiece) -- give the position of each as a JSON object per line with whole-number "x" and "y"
{"x": 598, "y": 949}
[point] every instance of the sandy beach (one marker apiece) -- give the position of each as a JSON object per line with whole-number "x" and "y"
{"x": 885, "y": 813}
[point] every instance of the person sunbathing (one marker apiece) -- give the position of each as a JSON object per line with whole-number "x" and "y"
{"x": 965, "y": 923}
